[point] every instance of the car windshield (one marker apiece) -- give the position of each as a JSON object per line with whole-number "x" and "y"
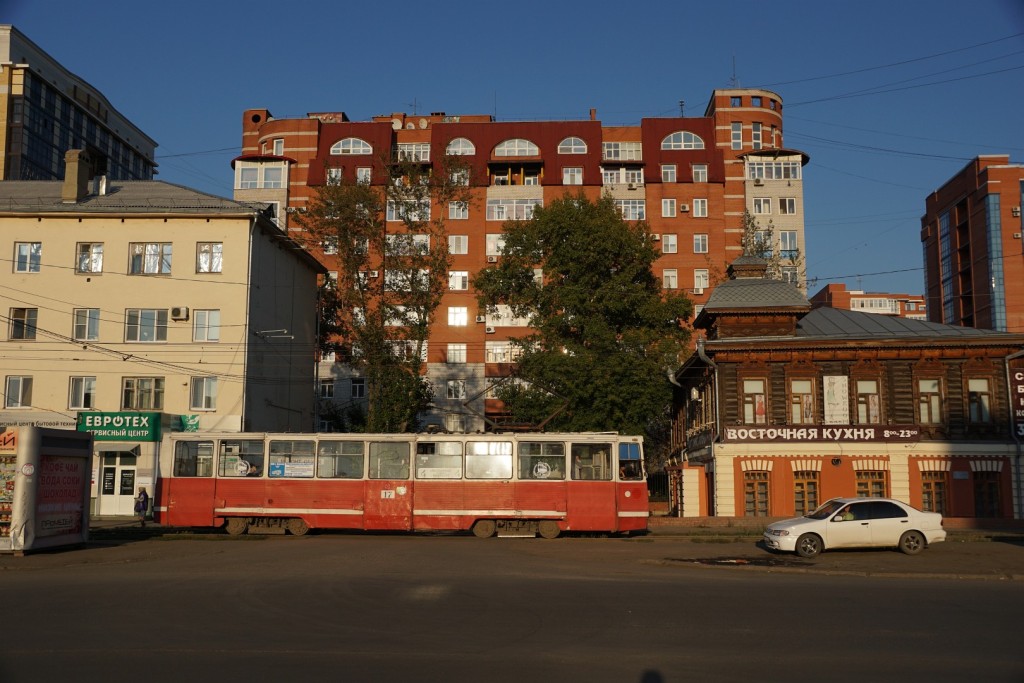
{"x": 826, "y": 510}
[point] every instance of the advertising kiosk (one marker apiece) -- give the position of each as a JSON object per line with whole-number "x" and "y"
{"x": 44, "y": 488}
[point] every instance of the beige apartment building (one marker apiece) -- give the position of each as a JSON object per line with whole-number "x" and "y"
{"x": 139, "y": 307}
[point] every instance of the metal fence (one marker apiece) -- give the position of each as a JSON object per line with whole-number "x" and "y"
{"x": 657, "y": 486}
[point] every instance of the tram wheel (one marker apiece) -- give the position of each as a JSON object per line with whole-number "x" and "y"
{"x": 236, "y": 526}
{"x": 297, "y": 527}
{"x": 484, "y": 528}
{"x": 548, "y": 529}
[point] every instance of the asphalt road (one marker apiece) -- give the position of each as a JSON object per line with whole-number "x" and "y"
{"x": 357, "y": 607}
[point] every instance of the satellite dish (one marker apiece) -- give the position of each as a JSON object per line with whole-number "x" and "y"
{"x": 396, "y": 124}
{"x": 423, "y": 123}
{"x": 410, "y": 126}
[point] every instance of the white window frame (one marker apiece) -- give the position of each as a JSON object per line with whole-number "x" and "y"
{"x": 81, "y": 393}
{"x": 669, "y": 243}
{"x": 494, "y": 243}
{"x": 458, "y": 316}
{"x": 632, "y": 209}
{"x": 668, "y": 173}
{"x": 351, "y": 146}
{"x": 458, "y": 280}
{"x": 700, "y": 173}
{"x": 364, "y": 175}
{"x": 572, "y": 175}
{"x": 682, "y": 139}
{"x": 460, "y": 147}
{"x": 18, "y": 391}
{"x": 357, "y": 387}
{"x": 670, "y": 278}
{"x": 205, "y": 390}
{"x": 700, "y": 208}
{"x": 700, "y": 243}
{"x": 206, "y": 325}
{"x": 701, "y": 278}
{"x": 455, "y": 354}
{"x": 668, "y": 208}
{"x": 90, "y": 258}
{"x": 762, "y": 206}
{"x": 458, "y": 211}
{"x": 455, "y": 389}
{"x": 572, "y": 145}
{"x": 516, "y": 147}
{"x": 458, "y": 244}
{"x": 755, "y": 135}
{"x": 85, "y": 324}
{"x": 736, "y": 135}
{"x": 787, "y": 206}
{"x": 24, "y": 325}
{"x": 209, "y": 257}
{"x": 28, "y": 257}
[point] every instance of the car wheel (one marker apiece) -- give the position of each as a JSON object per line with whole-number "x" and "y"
{"x": 911, "y": 543}
{"x": 808, "y": 545}
{"x": 548, "y": 529}
{"x": 297, "y": 526}
{"x": 484, "y": 528}
{"x": 236, "y": 526}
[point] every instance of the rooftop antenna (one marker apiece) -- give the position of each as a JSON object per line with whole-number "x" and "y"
{"x": 414, "y": 104}
{"x": 734, "y": 82}
{"x": 682, "y": 107}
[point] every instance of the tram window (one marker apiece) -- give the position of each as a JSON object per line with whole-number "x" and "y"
{"x": 591, "y": 461}
{"x": 489, "y": 460}
{"x": 389, "y": 460}
{"x": 193, "y": 459}
{"x": 241, "y": 458}
{"x": 291, "y": 459}
{"x": 541, "y": 460}
{"x": 439, "y": 460}
{"x": 340, "y": 460}
{"x": 630, "y": 467}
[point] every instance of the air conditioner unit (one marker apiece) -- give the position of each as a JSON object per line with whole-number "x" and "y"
{"x": 1016, "y": 235}
{"x": 758, "y": 181}
{"x": 631, "y": 186}
{"x": 697, "y": 290}
{"x": 492, "y": 259}
{"x": 179, "y": 313}
{"x": 655, "y": 237}
{"x": 684, "y": 208}
{"x": 481, "y": 318}
{"x": 489, "y": 330}
{"x": 1016, "y": 212}
{"x": 373, "y": 273}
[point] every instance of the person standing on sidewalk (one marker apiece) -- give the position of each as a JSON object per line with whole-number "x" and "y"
{"x": 142, "y": 505}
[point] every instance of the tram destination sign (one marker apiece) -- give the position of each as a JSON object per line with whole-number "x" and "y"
{"x": 828, "y": 433}
{"x": 121, "y": 426}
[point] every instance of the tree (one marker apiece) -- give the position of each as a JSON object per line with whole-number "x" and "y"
{"x": 605, "y": 333}
{"x": 391, "y": 244}
{"x": 760, "y": 241}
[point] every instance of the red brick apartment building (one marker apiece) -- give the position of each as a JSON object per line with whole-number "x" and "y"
{"x": 690, "y": 178}
{"x": 883, "y": 303}
{"x": 971, "y": 233}
{"x": 783, "y": 407}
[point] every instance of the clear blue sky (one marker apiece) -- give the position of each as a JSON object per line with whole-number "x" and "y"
{"x": 889, "y": 99}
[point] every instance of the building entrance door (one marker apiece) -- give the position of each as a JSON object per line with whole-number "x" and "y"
{"x": 117, "y": 484}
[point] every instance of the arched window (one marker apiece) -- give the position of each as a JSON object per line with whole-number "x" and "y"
{"x": 517, "y": 147}
{"x": 682, "y": 139}
{"x": 572, "y": 146}
{"x": 351, "y": 146}
{"x": 460, "y": 147}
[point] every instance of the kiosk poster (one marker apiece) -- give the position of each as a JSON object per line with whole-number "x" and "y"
{"x": 59, "y": 496}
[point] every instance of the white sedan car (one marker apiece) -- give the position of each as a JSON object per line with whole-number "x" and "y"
{"x": 857, "y": 523}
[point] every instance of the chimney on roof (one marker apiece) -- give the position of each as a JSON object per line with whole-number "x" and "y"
{"x": 593, "y": 114}
{"x": 80, "y": 167}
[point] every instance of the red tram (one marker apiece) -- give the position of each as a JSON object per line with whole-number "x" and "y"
{"x": 509, "y": 484}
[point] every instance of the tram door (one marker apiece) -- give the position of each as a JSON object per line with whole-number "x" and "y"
{"x": 117, "y": 483}
{"x": 387, "y": 501}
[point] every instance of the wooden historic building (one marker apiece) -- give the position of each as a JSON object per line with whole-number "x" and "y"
{"x": 781, "y": 408}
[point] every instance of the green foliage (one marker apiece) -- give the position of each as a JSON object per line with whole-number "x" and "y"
{"x": 392, "y": 252}
{"x": 605, "y": 332}
{"x": 761, "y": 241}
